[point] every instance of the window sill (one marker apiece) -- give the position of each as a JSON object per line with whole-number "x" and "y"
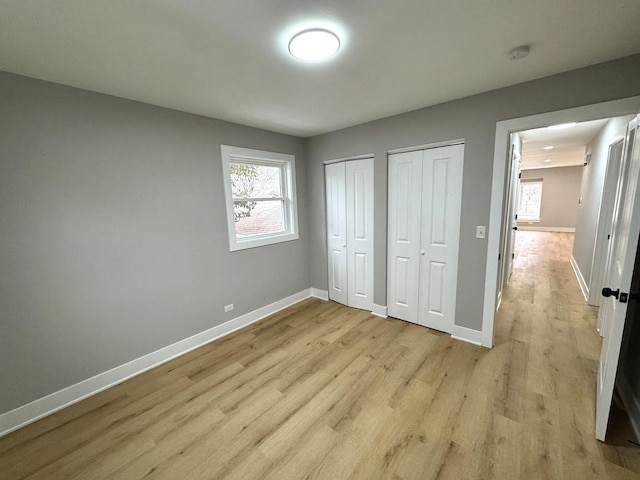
{"x": 262, "y": 241}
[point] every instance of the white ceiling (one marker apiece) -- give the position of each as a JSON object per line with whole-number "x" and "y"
{"x": 568, "y": 145}
{"x": 228, "y": 59}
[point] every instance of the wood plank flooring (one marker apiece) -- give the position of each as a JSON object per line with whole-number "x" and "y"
{"x": 321, "y": 391}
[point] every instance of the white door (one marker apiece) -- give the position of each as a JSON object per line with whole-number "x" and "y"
{"x": 359, "y": 220}
{"x": 626, "y": 228}
{"x": 514, "y": 195}
{"x": 336, "y": 232}
{"x": 403, "y": 235}
{"x": 510, "y": 208}
{"x": 349, "y": 194}
{"x": 441, "y": 205}
{"x": 605, "y": 225}
{"x": 425, "y": 193}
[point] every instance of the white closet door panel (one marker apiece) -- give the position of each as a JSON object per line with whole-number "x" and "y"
{"x": 441, "y": 205}
{"x": 434, "y": 304}
{"x": 359, "y": 232}
{"x": 405, "y": 178}
{"x": 336, "y": 232}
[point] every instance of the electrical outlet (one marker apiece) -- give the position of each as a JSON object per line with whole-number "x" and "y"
{"x": 228, "y": 308}
{"x": 481, "y": 231}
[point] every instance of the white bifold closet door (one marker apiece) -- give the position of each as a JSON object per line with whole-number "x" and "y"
{"x": 425, "y": 194}
{"x": 349, "y": 194}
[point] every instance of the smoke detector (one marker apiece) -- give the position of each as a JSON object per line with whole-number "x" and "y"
{"x": 519, "y": 52}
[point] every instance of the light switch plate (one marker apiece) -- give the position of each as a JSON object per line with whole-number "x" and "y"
{"x": 481, "y": 231}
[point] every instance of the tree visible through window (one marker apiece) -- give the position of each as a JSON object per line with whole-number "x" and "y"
{"x": 258, "y": 198}
{"x": 243, "y": 178}
{"x": 260, "y": 195}
{"x": 530, "y": 200}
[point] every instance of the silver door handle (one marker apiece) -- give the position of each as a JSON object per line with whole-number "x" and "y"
{"x": 422, "y": 252}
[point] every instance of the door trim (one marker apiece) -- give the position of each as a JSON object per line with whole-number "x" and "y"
{"x": 428, "y": 146}
{"x": 626, "y": 106}
{"x": 347, "y": 159}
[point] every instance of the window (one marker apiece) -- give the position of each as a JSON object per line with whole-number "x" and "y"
{"x": 530, "y": 200}
{"x": 260, "y": 197}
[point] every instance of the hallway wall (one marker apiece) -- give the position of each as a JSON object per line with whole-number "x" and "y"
{"x": 591, "y": 189}
{"x": 560, "y": 194}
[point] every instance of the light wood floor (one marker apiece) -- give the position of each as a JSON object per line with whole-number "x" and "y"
{"x": 321, "y": 391}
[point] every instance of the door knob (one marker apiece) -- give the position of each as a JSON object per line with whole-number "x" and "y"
{"x": 515, "y": 228}
{"x": 344, "y": 246}
{"x": 422, "y": 252}
{"x": 607, "y": 292}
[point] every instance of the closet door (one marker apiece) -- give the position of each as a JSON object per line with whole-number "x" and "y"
{"x": 336, "y": 232}
{"x": 403, "y": 237}
{"x": 441, "y": 205}
{"x": 359, "y": 227}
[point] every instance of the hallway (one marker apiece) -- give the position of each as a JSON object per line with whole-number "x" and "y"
{"x": 546, "y": 325}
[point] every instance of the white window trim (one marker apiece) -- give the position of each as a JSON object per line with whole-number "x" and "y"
{"x": 232, "y": 154}
{"x": 530, "y": 219}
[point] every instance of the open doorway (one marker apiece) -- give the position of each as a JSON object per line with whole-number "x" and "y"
{"x": 544, "y": 193}
{"x": 624, "y": 233}
{"x": 502, "y": 172}
{"x": 565, "y": 180}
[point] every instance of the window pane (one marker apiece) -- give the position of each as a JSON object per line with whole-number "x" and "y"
{"x": 260, "y": 218}
{"x": 260, "y": 197}
{"x": 530, "y": 199}
{"x": 255, "y": 181}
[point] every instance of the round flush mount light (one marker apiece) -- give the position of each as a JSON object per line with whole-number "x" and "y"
{"x": 314, "y": 45}
{"x": 547, "y": 160}
{"x": 548, "y": 147}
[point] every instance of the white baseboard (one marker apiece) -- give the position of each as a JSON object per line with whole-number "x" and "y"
{"x": 584, "y": 287}
{"x": 631, "y": 404}
{"x": 533, "y": 228}
{"x": 49, "y": 404}
{"x": 379, "y": 310}
{"x": 467, "y": 335}
{"x": 320, "y": 294}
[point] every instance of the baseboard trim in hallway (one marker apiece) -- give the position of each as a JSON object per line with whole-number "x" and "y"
{"x": 56, "y": 401}
{"x": 584, "y": 288}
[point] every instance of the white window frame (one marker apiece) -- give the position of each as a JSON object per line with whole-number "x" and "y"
{"x": 286, "y": 163}
{"x": 521, "y": 217}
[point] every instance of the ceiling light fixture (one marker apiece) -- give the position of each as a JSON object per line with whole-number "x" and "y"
{"x": 314, "y": 45}
{"x": 548, "y": 147}
{"x": 562, "y": 126}
{"x": 547, "y": 160}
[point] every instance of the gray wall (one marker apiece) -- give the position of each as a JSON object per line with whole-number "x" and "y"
{"x": 560, "y": 194}
{"x": 474, "y": 119}
{"x": 591, "y": 192}
{"x": 113, "y": 241}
